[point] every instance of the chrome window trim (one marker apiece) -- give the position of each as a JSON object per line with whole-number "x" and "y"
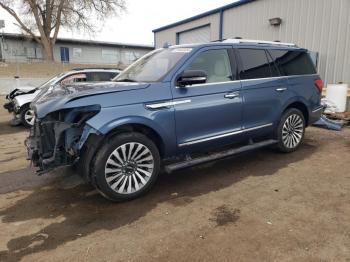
{"x": 244, "y": 130}
{"x": 167, "y": 104}
{"x": 246, "y": 80}
{"x": 210, "y": 84}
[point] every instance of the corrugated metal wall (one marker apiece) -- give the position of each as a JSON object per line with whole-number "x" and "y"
{"x": 318, "y": 25}
{"x": 169, "y": 35}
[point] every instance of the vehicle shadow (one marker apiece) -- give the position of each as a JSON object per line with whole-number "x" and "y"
{"x": 87, "y": 213}
{"x": 6, "y": 128}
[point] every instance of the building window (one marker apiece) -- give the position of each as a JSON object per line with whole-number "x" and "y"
{"x": 39, "y": 52}
{"x": 77, "y": 52}
{"x": 130, "y": 56}
{"x": 30, "y": 51}
{"x": 110, "y": 55}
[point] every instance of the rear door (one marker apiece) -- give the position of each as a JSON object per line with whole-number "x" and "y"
{"x": 299, "y": 70}
{"x": 263, "y": 89}
{"x": 209, "y": 115}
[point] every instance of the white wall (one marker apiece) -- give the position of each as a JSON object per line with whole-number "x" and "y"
{"x": 21, "y": 51}
{"x": 8, "y": 84}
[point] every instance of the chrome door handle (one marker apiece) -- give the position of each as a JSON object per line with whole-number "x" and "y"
{"x": 232, "y": 95}
{"x": 282, "y": 89}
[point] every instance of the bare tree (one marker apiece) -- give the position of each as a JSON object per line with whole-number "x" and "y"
{"x": 43, "y": 19}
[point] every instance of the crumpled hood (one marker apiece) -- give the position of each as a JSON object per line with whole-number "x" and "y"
{"x": 22, "y": 90}
{"x": 55, "y": 97}
{"x": 26, "y": 88}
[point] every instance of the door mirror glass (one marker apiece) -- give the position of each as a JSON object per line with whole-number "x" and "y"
{"x": 192, "y": 77}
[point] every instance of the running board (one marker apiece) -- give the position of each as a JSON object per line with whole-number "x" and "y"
{"x": 215, "y": 156}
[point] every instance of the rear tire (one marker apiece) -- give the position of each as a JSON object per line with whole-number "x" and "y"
{"x": 27, "y": 116}
{"x": 126, "y": 167}
{"x": 291, "y": 130}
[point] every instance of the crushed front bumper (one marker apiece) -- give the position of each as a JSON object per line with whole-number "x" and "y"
{"x": 10, "y": 106}
{"x": 46, "y": 146}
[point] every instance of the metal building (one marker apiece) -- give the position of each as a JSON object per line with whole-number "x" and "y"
{"x": 322, "y": 26}
{"x": 18, "y": 48}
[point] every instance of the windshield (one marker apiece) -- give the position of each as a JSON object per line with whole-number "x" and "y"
{"x": 51, "y": 81}
{"x": 153, "y": 66}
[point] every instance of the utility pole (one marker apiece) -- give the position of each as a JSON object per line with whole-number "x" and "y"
{"x": 2, "y": 25}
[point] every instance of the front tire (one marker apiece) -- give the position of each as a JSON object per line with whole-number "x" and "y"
{"x": 27, "y": 116}
{"x": 291, "y": 130}
{"x": 126, "y": 166}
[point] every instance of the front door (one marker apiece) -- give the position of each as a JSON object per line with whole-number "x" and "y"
{"x": 64, "y": 54}
{"x": 209, "y": 115}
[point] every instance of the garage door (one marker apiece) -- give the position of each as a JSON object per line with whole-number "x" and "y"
{"x": 199, "y": 35}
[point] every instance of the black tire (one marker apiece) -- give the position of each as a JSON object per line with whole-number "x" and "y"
{"x": 131, "y": 170}
{"x": 23, "y": 112}
{"x": 295, "y": 133}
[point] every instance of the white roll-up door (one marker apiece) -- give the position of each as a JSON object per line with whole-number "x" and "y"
{"x": 198, "y": 35}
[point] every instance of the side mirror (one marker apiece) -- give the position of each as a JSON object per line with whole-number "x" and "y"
{"x": 192, "y": 77}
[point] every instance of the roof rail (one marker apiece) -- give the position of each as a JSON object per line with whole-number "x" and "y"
{"x": 92, "y": 68}
{"x": 240, "y": 41}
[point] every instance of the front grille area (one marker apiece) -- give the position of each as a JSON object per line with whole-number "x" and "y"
{"x": 47, "y": 139}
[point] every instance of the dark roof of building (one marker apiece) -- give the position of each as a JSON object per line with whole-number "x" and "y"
{"x": 81, "y": 41}
{"x": 211, "y": 12}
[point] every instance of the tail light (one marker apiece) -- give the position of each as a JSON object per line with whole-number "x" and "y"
{"x": 319, "y": 84}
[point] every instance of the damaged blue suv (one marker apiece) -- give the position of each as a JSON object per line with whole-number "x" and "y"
{"x": 174, "y": 108}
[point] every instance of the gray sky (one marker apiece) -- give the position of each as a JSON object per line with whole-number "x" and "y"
{"x": 136, "y": 25}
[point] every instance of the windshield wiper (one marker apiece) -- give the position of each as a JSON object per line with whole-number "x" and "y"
{"x": 125, "y": 80}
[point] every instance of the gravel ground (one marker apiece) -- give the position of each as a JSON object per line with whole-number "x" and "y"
{"x": 260, "y": 206}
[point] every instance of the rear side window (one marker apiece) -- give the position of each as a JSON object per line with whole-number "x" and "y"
{"x": 254, "y": 64}
{"x": 293, "y": 62}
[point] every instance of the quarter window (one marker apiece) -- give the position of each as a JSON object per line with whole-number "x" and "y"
{"x": 254, "y": 63}
{"x": 293, "y": 62}
{"x": 215, "y": 63}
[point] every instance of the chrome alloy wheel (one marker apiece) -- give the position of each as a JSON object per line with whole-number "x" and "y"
{"x": 292, "y": 131}
{"x": 129, "y": 167}
{"x": 29, "y": 117}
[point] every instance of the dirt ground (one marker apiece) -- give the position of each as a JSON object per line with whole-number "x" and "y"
{"x": 260, "y": 206}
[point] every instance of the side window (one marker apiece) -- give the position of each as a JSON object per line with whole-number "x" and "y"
{"x": 293, "y": 62}
{"x": 100, "y": 76}
{"x": 215, "y": 63}
{"x": 74, "y": 78}
{"x": 275, "y": 70}
{"x": 255, "y": 64}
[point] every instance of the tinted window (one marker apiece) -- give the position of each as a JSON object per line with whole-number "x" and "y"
{"x": 254, "y": 63}
{"x": 275, "y": 72}
{"x": 75, "y": 78}
{"x": 100, "y": 76}
{"x": 215, "y": 63}
{"x": 293, "y": 62}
